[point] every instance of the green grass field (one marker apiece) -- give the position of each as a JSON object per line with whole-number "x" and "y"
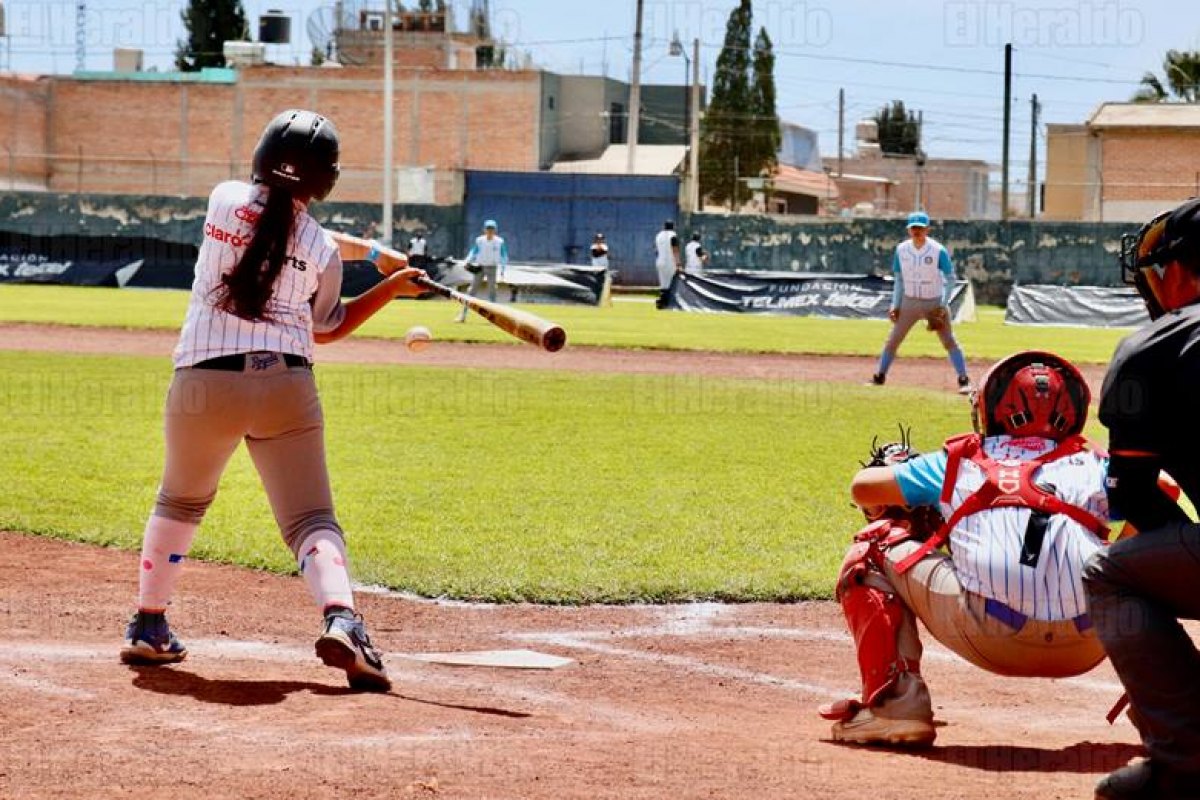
{"x": 505, "y": 485}
{"x": 629, "y": 322}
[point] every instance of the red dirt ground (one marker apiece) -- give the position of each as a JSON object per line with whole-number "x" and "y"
{"x": 694, "y": 701}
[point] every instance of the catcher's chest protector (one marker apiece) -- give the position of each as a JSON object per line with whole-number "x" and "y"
{"x": 1007, "y": 482}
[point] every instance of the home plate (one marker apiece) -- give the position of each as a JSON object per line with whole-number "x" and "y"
{"x": 506, "y": 659}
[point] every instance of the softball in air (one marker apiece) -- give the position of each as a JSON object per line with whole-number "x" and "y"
{"x": 417, "y": 338}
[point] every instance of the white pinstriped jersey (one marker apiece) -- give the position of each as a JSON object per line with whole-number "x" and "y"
{"x": 208, "y": 332}
{"x": 986, "y": 547}
{"x": 921, "y": 268}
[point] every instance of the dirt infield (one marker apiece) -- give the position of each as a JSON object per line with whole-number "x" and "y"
{"x": 695, "y": 701}
{"x": 923, "y": 372}
{"x": 698, "y": 701}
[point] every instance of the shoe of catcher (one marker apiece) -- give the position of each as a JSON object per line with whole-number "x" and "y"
{"x": 149, "y": 641}
{"x": 866, "y": 727}
{"x": 344, "y": 644}
{"x": 904, "y": 718}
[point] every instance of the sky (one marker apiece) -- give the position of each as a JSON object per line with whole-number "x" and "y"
{"x": 944, "y": 59}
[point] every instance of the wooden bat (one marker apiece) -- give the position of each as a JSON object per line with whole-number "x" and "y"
{"x": 521, "y": 324}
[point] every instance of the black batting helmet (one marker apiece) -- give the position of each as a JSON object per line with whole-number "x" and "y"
{"x": 298, "y": 151}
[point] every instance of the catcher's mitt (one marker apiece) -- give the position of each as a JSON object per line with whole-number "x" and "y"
{"x": 922, "y": 521}
{"x": 938, "y": 319}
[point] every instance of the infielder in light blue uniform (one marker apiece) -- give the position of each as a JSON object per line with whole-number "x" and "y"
{"x": 490, "y": 254}
{"x": 924, "y": 282}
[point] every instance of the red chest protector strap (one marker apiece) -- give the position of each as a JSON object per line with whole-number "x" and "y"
{"x": 1008, "y": 482}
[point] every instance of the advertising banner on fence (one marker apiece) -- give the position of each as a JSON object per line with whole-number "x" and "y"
{"x": 95, "y": 260}
{"x": 1090, "y": 306}
{"x": 797, "y": 294}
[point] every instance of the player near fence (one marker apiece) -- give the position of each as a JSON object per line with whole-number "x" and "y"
{"x": 487, "y": 260}
{"x": 1140, "y": 588}
{"x": 267, "y": 287}
{"x": 923, "y": 284}
{"x": 1024, "y": 507}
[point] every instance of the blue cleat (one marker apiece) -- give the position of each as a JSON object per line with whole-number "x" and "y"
{"x": 149, "y": 641}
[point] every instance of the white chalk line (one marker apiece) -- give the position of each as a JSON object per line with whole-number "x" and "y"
{"x": 42, "y": 686}
{"x": 697, "y": 623}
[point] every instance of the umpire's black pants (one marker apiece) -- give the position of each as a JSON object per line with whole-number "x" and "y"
{"x": 1138, "y": 590}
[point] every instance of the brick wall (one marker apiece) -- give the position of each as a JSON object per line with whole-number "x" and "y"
{"x": 23, "y": 105}
{"x": 1150, "y": 165}
{"x": 951, "y": 187}
{"x": 137, "y": 137}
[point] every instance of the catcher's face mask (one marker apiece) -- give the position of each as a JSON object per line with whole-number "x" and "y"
{"x": 1147, "y": 255}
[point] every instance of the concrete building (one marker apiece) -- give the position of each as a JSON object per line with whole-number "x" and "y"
{"x": 1126, "y": 163}
{"x": 873, "y": 183}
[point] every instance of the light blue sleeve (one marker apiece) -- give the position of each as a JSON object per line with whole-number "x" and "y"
{"x": 898, "y": 285}
{"x": 474, "y": 252}
{"x": 947, "y": 268}
{"x": 504, "y": 254}
{"x": 920, "y": 480}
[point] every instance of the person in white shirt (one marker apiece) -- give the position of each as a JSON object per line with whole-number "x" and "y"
{"x": 1025, "y": 508}
{"x": 417, "y": 249}
{"x": 666, "y": 259}
{"x": 695, "y": 256}
{"x": 924, "y": 283}
{"x": 599, "y": 251}
{"x": 267, "y": 288}
{"x": 487, "y": 260}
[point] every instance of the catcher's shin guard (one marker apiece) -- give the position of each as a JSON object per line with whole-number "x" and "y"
{"x": 874, "y": 614}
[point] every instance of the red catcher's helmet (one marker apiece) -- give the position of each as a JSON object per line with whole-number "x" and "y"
{"x": 1033, "y": 393}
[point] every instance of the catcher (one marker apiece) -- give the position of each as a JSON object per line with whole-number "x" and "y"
{"x": 1024, "y": 505}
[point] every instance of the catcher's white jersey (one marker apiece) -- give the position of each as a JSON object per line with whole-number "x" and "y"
{"x": 986, "y": 547}
{"x": 208, "y": 332}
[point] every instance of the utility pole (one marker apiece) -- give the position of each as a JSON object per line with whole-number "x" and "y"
{"x": 635, "y": 93}
{"x": 694, "y": 155}
{"x": 80, "y": 36}
{"x": 385, "y": 236}
{"x": 1033, "y": 130}
{"x": 841, "y": 127}
{"x": 733, "y": 198}
{"x": 1007, "y": 125}
{"x": 919, "y": 160}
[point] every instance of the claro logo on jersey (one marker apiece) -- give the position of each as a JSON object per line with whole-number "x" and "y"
{"x": 221, "y": 235}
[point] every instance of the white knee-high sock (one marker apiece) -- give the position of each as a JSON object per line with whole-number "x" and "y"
{"x": 322, "y": 559}
{"x": 165, "y": 544}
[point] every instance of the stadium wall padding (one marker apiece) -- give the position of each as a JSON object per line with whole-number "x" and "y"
{"x": 992, "y": 254}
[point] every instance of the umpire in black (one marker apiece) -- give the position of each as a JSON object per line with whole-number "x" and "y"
{"x": 1139, "y": 588}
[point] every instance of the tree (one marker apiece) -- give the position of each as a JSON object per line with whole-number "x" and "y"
{"x": 899, "y": 131}
{"x": 763, "y": 147}
{"x": 1182, "y": 71}
{"x": 724, "y": 125}
{"x": 209, "y": 24}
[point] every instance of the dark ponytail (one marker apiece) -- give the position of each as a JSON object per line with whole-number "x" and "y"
{"x": 246, "y": 289}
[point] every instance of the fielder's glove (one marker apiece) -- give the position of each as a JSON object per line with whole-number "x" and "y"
{"x": 922, "y": 521}
{"x": 938, "y": 319}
